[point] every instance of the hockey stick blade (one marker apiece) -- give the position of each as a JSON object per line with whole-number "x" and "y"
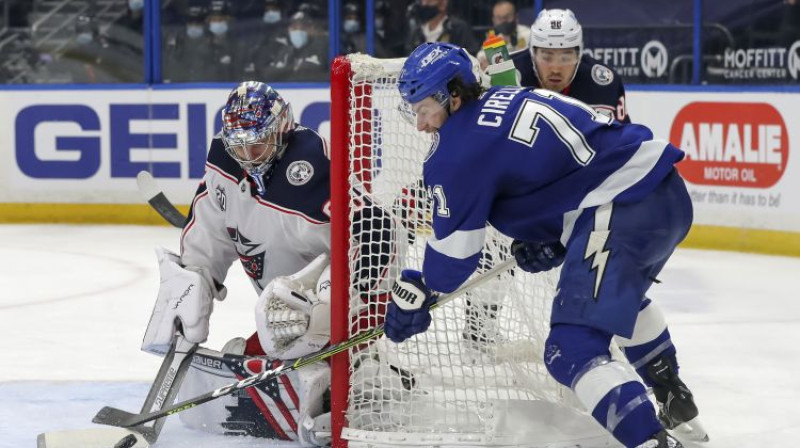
{"x": 156, "y": 198}
{"x": 113, "y": 417}
{"x": 117, "y": 417}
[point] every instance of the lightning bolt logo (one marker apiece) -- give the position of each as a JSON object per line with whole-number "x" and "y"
{"x": 597, "y": 248}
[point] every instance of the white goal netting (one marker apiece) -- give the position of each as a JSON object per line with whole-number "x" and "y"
{"x": 475, "y": 378}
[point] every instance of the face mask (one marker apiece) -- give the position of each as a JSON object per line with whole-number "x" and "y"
{"x": 83, "y": 38}
{"x": 425, "y": 13}
{"x": 379, "y": 23}
{"x": 135, "y": 5}
{"x": 351, "y": 26}
{"x": 218, "y": 28}
{"x": 298, "y": 38}
{"x": 272, "y": 16}
{"x": 194, "y": 31}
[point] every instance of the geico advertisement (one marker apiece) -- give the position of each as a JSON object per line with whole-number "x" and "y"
{"x": 742, "y": 152}
{"x": 88, "y": 145}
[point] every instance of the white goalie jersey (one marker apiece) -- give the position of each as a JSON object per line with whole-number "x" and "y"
{"x": 280, "y": 237}
{"x": 277, "y": 233}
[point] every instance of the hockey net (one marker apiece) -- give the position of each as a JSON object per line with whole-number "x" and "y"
{"x": 475, "y": 378}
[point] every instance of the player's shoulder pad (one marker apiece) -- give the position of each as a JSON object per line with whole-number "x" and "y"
{"x": 301, "y": 179}
{"x": 220, "y": 161}
{"x": 591, "y": 71}
{"x": 524, "y": 65}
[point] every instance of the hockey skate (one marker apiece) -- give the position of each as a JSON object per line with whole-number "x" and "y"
{"x": 662, "y": 439}
{"x": 677, "y": 410}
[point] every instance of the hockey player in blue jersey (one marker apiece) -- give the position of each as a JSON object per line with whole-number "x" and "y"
{"x": 555, "y": 61}
{"x": 573, "y": 187}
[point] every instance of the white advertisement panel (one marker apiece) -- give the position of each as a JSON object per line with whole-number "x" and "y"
{"x": 743, "y": 152}
{"x": 86, "y": 146}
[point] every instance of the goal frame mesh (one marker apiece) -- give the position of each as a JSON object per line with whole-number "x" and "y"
{"x": 348, "y": 123}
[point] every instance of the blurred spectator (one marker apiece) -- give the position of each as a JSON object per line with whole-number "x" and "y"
{"x": 269, "y": 28}
{"x": 273, "y": 15}
{"x": 206, "y": 50}
{"x": 316, "y": 12}
{"x": 89, "y": 59}
{"x": 183, "y": 55}
{"x": 352, "y": 37}
{"x": 126, "y": 36}
{"x": 301, "y": 55}
{"x": 390, "y": 34}
{"x": 433, "y": 24}
{"x": 505, "y": 24}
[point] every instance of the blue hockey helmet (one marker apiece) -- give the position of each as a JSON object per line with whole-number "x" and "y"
{"x": 256, "y": 124}
{"x": 430, "y": 67}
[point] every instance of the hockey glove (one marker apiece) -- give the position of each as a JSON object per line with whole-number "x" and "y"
{"x": 536, "y": 257}
{"x": 185, "y": 296}
{"x": 409, "y": 312}
{"x": 293, "y": 313}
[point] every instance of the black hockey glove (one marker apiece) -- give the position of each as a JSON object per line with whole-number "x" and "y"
{"x": 536, "y": 257}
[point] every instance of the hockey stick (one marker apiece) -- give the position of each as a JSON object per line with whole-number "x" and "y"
{"x": 156, "y": 198}
{"x": 117, "y": 417}
{"x": 162, "y": 392}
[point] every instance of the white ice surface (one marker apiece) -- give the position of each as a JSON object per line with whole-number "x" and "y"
{"x": 74, "y": 301}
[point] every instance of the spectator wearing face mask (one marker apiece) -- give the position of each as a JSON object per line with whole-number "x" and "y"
{"x": 126, "y": 36}
{"x": 300, "y": 55}
{"x": 267, "y": 27}
{"x": 352, "y": 37}
{"x": 88, "y": 58}
{"x": 505, "y": 24}
{"x": 221, "y": 61}
{"x": 204, "y": 51}
{"x": 433, "y": 24}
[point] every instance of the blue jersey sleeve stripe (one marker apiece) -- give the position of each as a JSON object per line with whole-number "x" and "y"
{"x": 460, "y": 244}
{"x": 634, "y": 170}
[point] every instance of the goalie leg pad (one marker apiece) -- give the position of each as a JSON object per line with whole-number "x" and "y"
{"x": 579, "y": 357}
{"x": 276, "y": 410}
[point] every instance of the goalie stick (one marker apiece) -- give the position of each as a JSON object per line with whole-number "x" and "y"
{"x": 155, "y": 197}
{"x": 162, "y": 392}
{"x": 117, "y": 417}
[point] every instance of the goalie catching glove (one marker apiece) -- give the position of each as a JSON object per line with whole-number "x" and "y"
{"x": 409, "y": 312}
{"x": 185, "y": 297}
{"x": 293, "y": 313}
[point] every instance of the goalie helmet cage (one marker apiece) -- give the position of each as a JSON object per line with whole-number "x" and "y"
{"x": 475, "y": 378}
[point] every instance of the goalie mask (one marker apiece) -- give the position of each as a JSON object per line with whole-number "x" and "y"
{"x": 256, "y": 125}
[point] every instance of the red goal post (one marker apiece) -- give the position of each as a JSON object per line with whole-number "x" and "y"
{"x": 475, "y": 378}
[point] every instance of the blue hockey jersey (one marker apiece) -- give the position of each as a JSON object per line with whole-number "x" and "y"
{"x": 528, "y": 162}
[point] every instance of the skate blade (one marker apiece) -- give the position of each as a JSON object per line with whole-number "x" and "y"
{"x": 692, "y": 430}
